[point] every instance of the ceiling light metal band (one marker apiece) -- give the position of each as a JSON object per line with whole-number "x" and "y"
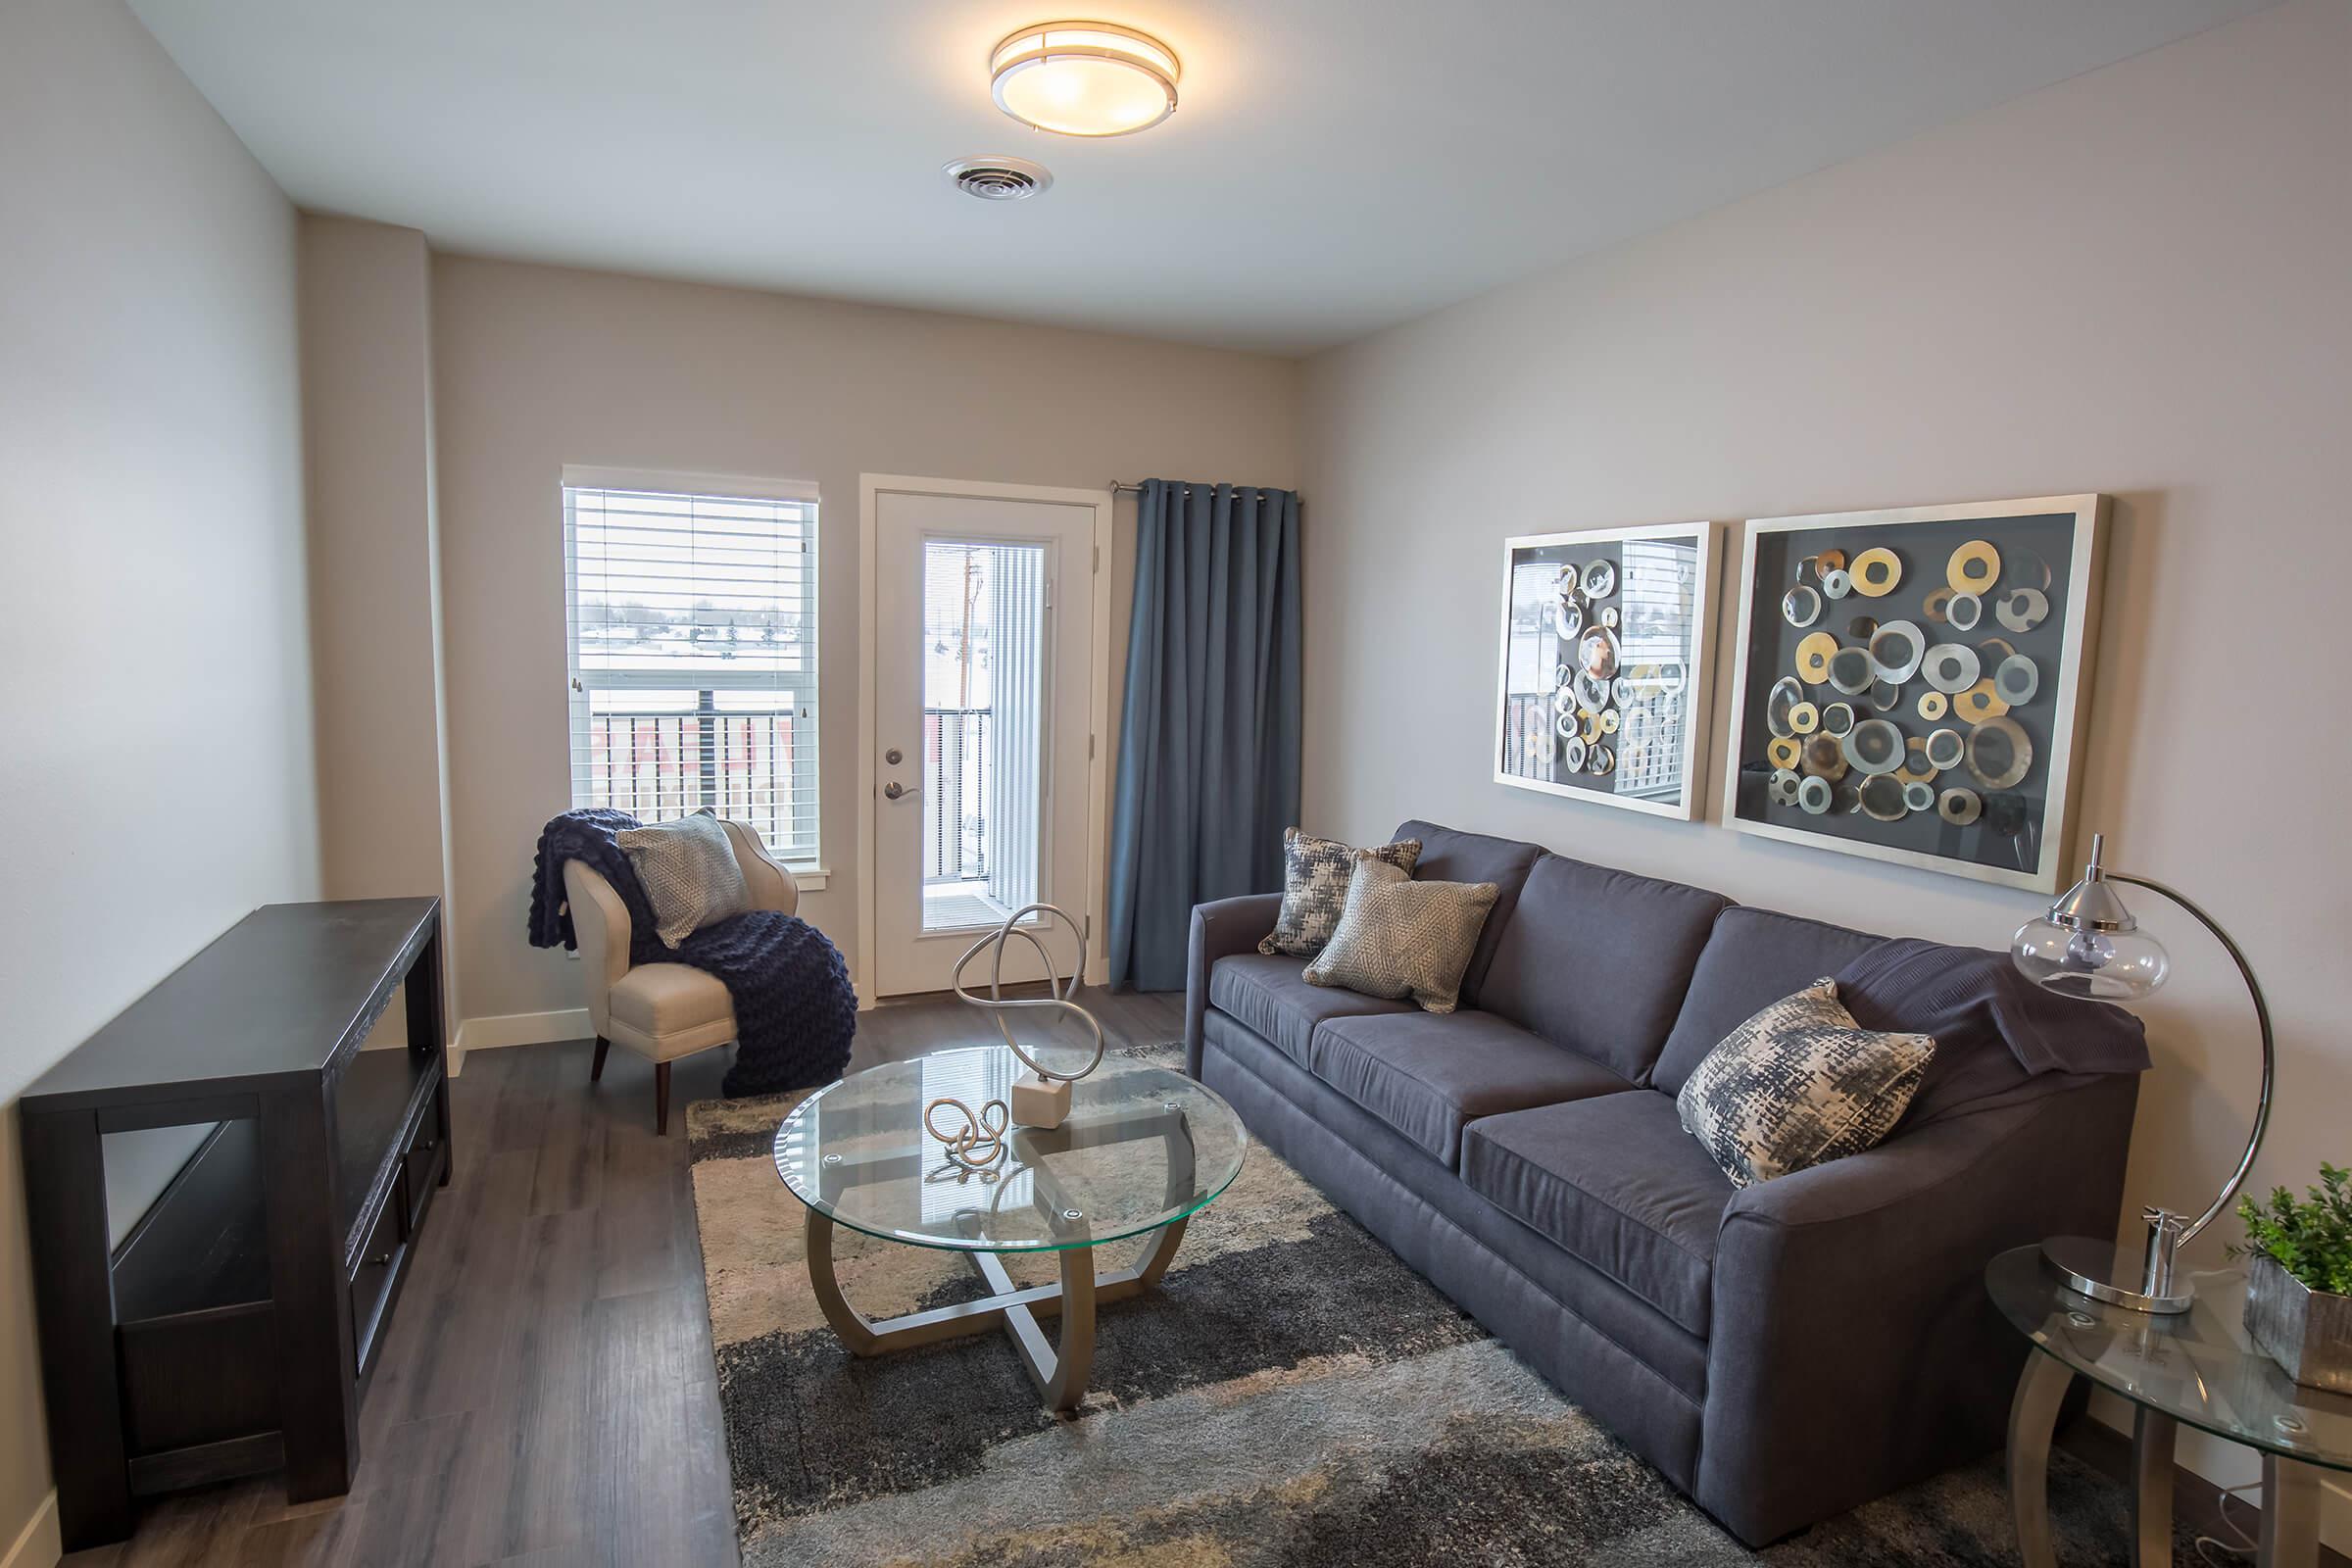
{"x": 1022, "y": 64}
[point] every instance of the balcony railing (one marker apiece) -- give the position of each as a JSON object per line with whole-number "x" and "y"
{"x": 957, "y": 773}
{"x": 748, "y": 767}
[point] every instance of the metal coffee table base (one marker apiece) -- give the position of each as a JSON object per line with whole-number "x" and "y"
{"x": 1059, "y": 1368}
{"x": 2290, "y": 1491}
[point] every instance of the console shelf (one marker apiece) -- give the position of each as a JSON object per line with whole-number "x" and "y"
{"x": 235, "y": 1326}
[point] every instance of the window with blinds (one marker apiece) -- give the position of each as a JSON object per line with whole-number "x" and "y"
{"x": 692, "y": 637}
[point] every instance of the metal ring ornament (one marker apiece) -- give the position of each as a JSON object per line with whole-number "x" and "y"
{"x": 1962, "y": 611}
{"x": 1850, "y": 671}
{"x": 1837, "y": 583}
{"x": 1875, "y": 571}
{"x": 1951, "y": 668}
{"x": 1567, "y": 617}
{"x": 1895, "y": 651}
{"x": 2016, "y": 680}
{"x": 2021, "y": 608}
{"x": 1600, "y": 579}
{"x": 1000, "y": 1006}
{"x": 1973, "y": 567}
{"x": 1801, "y": 605}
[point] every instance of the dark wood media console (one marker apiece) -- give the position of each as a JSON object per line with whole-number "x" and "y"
{"x": 233, "y": 1328}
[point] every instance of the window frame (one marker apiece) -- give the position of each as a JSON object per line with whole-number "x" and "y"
{"x": 808, "y": 869}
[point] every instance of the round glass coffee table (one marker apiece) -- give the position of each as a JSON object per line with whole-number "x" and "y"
{"x": 2197, "y": 1368}
{"x": 1143, "y": 1150}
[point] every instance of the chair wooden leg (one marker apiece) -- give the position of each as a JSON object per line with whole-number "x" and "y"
{"x": 596, "y": 1068}
{"x": 662, "y": 1098}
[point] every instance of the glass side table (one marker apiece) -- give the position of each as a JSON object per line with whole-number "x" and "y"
{"x": 2197, "y": 1368}
{"x": 1143, "y": 1150}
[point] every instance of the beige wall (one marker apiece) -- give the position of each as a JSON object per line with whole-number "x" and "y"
{"x": 154, "y": 665}
{"x": 2137, "y": 282}
{"x": 368, "y": 423}
{"x": 540, "y": 367}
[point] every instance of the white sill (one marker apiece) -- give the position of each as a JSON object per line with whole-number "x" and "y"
{"x": 809, "y": 878}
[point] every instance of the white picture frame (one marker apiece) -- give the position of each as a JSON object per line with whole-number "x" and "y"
{"x": 2064, "y": 534}
{"x": 1686, "y": 714}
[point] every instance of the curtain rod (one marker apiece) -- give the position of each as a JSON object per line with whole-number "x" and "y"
{"x": 1120, "y": 487}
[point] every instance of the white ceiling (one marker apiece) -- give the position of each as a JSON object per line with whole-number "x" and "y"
{"x": 1336, "y": 166}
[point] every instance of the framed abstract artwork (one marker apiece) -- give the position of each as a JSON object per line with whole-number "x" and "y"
{"x": 1912, "y": 684}
{"x": 1607, "y": 659}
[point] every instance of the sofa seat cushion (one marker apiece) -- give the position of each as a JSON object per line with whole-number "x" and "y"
{"x": 1270, "y": 994}
{"x": 1426, "y": 1074}
{"x": 1616, "y": 1183}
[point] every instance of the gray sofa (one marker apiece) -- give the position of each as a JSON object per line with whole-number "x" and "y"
{"x": 1782, "y": 1352}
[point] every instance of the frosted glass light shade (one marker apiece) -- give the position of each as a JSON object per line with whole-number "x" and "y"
{"x": 2096, "y": 965}
{"x": 1085, "y": 78}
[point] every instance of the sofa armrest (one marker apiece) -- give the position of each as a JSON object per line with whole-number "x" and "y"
{"x": 1853, "y": 1348}
{"x": 1220, "y": 930}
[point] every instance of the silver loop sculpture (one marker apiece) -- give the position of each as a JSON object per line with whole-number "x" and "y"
{"x": 1001, "y": 1007}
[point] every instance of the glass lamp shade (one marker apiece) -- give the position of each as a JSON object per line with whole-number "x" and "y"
{"x": 1085, "y": 78}
{"x": 2096, "y": 965}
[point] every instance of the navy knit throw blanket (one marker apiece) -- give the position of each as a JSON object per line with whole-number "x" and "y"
{"x": 794, "y": 1012}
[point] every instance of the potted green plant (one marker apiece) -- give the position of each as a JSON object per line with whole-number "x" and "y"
{"x": 2299, "y": 1291}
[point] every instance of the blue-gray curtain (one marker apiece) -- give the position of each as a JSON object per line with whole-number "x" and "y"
{"x": 1208, "y": 744}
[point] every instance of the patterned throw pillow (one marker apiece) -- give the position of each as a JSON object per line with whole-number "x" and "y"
{"x": 1314, "y": 884}
{"x": 689, "y": 873}
{"x": 1402, "y": 938}
{"x": 1799, "y": 1085}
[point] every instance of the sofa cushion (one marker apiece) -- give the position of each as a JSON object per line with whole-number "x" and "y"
{"x": 1616, "y": 1183}
{"x": 1272, "y": 996}
{"x": 1426, "y": 1074}
{"x": 1448, "y": 855}
{"x": 1598, "y": 961}
{"x": 1753, "y": 957}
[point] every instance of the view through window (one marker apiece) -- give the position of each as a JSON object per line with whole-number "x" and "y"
{"x": 693, "y": 653}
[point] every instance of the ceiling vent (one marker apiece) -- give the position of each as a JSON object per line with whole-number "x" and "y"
{"x": 998, "y": 179}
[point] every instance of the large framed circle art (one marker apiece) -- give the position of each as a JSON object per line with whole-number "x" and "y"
{"x": 1912, "y": 684}
{"x": 1607, "y": 654}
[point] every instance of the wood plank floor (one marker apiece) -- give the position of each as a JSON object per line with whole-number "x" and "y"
{"x": 547, "y": 1395}
{"x": 546, "y": 1400}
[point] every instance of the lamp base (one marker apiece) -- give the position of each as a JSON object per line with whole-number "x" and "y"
{"x": 2114, "y": 1275}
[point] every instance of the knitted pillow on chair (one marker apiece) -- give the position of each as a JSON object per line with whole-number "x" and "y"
{"x": 689, "y": 873}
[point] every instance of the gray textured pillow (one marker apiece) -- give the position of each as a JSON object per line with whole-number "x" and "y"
{"x": 1314, "y": 886}
{"x": 1799, "y": 1085}
{"x": 689, "y": 874}
{"x": 1400, "y": 938}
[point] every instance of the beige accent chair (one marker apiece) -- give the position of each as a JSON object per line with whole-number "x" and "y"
{"x": 661, "y": 1010}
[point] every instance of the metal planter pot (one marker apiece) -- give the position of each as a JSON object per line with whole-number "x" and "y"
{"x": 2307, "y": 1332}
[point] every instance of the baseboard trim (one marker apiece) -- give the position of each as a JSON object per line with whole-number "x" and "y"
{"x": 37, "y": 1545}
{"x": 500, "y": 1030}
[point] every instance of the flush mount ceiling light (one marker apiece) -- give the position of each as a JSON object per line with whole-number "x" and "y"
{"x": 1084, "y": 78}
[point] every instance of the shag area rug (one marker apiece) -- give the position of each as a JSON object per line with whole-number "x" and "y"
{"x": 1292, "y": 1394}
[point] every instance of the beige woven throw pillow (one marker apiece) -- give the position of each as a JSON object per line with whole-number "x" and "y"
{"x": 1402, "y": 938}
{"x": 689, "y": 874}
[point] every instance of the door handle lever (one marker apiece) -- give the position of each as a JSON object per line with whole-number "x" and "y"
{"x": 894, "y": 791}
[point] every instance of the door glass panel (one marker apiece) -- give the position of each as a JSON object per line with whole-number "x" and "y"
{"x": 982, "y": 663}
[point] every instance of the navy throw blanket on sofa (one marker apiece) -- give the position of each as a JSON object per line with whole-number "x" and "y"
{"x": 794, "y": 1012}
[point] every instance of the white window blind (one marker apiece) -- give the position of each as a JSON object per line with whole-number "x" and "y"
{"x": 693, "y": 640}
